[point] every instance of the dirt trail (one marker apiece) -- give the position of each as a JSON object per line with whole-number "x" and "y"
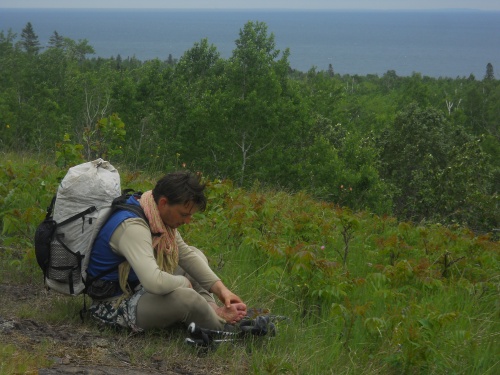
{"x": 80, "y": 348}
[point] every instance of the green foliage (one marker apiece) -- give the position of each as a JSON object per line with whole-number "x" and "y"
{"x": 68, "y": 154}
{"x": 439, "y": 171}
{"x": 490, "y": 75}
{"x": 104, "y": 141}
{"x": 26, "y": 188}
{"x": 29, "y": 40}
{"x": 354, "y": 140}
{"x": 409, "y": 299}
{"x": 320, "y": 163}
{"x": 10, "y": 363}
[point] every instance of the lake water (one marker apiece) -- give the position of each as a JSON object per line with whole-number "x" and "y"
{"x": 437, "y": 43}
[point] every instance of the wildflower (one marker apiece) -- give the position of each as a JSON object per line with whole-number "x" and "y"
{"x": 350, "y": 189}
{"x": 341, "y": 186}
{"x": 183, "y": 165}
{"x": 7, "y": 126}
{"x": 322, "y": 247}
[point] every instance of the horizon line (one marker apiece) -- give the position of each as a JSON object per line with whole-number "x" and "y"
{"x": 247, "y": 9}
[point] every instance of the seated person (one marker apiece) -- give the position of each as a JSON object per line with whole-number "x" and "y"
{"x": 147, "y": 276}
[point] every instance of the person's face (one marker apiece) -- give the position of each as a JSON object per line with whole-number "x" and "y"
{"x": 176, "y": 215}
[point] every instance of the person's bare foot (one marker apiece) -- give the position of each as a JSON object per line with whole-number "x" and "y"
{"x": 232, "y": 314}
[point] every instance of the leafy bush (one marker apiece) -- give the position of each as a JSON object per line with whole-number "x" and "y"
{"x": 379, "y": 294}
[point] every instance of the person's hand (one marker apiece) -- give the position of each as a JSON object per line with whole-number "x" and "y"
{"x": 228, "y": 298}
{"x": 225, "y": 295}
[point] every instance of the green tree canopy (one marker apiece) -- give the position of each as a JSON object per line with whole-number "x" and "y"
{"x": 29, "y": 40}
{"x": 489, "y": 72}
{"x": 56, "y": 40}
{"x": 437, "y": 170}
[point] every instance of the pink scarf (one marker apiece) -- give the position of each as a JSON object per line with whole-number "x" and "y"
{"x": 164, "y": 244}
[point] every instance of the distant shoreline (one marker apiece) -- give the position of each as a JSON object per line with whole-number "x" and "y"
{"x": 435, "y": 43}
{"x": 440, "y": 10}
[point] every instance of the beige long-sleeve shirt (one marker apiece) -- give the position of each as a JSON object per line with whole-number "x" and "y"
{"x": 132, "y": 239}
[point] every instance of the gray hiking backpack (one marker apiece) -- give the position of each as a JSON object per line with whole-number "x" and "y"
{"x": 63, "y": 241}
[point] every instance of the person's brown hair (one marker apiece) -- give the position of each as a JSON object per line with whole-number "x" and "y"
{"x": 181, "y": 188}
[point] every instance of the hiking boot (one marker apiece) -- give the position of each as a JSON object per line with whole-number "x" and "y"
{"x": 260, "y": 326}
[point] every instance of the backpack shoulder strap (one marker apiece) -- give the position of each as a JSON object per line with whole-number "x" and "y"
{"x": 132, "y": 208}
{"x": 120, "y": 203}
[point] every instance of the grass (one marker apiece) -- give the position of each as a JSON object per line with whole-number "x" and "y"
{"x": 16, "y": 361}
{"x": 408, "y": 299}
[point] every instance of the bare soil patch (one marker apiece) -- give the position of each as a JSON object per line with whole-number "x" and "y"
{"x": 76, "y": 348}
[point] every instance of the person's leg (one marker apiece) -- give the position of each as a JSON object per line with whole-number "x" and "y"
{"x": 183, "y": 305}
{"x": 232, "y": 314}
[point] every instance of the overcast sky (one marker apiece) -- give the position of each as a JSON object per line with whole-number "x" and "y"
{"x": 259, "y": 4}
